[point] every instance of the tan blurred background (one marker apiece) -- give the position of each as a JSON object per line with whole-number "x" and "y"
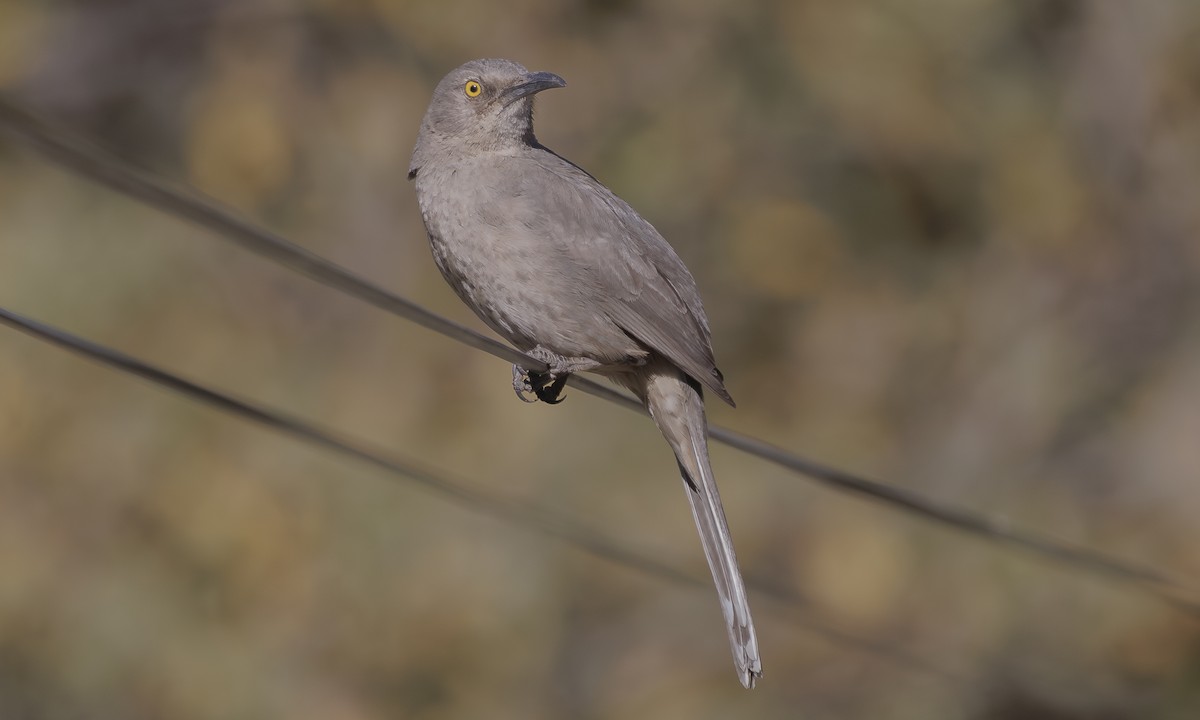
{"x": 953, "y": 244}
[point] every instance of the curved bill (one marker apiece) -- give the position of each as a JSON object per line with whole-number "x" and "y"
{"x": 534, "y": 82}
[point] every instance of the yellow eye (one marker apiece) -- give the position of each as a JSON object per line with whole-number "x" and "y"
{"x": 473, "y": 88}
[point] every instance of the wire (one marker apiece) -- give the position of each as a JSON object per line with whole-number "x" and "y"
{"x": 100, "y": 166}
{"x": 508, "y": 509}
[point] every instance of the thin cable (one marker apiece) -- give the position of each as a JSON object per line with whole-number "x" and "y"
{"x": 87, "y": 160}
{"x": 513, "y": 511}
{"x": 100, "y": 166}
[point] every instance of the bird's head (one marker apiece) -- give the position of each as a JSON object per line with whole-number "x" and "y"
{"x": 484, "y": 104}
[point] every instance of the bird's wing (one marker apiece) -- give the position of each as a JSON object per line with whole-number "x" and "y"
{"x": 643, "y": 285}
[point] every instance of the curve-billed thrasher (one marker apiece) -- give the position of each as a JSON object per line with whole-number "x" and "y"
{"x": 570, "y": 274}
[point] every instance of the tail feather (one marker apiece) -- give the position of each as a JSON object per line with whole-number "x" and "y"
{"x": 678, "y": 409}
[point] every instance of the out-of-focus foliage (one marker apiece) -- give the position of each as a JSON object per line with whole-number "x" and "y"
{"x": 954, "y": 244}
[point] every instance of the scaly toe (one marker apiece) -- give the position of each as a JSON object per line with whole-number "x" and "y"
{"x": 522, "y": 385}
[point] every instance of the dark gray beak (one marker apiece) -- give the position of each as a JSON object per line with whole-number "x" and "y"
{"x": 532, "y": 83}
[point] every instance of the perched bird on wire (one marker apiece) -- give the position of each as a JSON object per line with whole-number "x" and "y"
{"x": 571, "y": 275}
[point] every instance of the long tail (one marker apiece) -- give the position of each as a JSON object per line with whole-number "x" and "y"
{"x": 677, "y": 407}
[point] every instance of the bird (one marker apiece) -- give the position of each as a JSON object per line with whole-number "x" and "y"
{"x": 572, "y": 276}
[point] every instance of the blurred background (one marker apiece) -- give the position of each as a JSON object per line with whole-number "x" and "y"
{"x": 952, "y": 244}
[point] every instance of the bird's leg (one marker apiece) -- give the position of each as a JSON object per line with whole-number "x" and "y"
{"x": 547, "y": 386}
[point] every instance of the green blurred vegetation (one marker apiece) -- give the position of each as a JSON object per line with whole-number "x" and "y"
{"x": 954, "y": 244}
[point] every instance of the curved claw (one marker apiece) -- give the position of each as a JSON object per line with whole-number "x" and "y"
{"x": 522, "y": 385}
{"x": 545, "y": 386}
{"x": 551, "y": 393}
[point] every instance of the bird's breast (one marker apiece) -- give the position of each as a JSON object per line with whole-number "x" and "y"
{"x": 479, "y": 249}
{"x": 509, "y": 256}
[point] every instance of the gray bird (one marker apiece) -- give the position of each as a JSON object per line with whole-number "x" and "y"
{"x": 569, "y": 274}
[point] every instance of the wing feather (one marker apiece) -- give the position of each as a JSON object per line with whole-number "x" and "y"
{"x": 640, "y": 282}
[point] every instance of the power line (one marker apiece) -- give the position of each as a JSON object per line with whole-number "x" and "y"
{"x": 511, "y": 510}
{"x": 98, "y": 165}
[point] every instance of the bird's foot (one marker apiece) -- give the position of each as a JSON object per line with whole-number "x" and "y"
{"x": 542, "y": 385}
{"x": 547, "y": 386}
{"x": 522, "y": 384}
